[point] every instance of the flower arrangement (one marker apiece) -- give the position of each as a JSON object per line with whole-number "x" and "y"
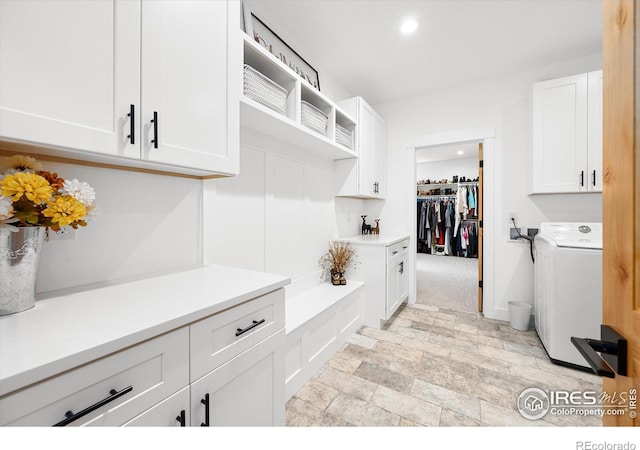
{"x": 33, "y": 197}
{"x": 337, "y": 260}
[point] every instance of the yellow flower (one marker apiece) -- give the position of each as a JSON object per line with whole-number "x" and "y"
{"x": 65, "y": 210}
{"x": 21, "y": 162}
{"x": 23, "y": 184}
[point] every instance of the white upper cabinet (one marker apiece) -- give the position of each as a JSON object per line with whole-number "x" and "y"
{"x": 84, "y": 79}
{"x": 567, "y": 134}
{"x": 68, "y": 72}
{"x": 185, "y": 81}
{"x": 594, "y": 132}
{"x": 364, "y": 177}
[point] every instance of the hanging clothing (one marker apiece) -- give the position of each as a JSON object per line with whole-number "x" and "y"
{"x": 443, "y": 226}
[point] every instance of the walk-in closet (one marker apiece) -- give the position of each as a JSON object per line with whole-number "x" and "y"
{"x": 448, "y": 197}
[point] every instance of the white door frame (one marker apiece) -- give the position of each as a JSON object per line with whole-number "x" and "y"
{"x": 487, "y": 137}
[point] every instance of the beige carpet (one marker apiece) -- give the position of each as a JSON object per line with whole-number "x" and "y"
{"x": 447, "y": 282}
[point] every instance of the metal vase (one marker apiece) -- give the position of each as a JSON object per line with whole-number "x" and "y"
{"x": 19, "y": 259}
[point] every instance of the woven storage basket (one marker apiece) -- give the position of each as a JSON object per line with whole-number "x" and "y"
{"x": 344, "y": 136}
{"x": 264, "y": 90}
{"x": 313, "y": 118}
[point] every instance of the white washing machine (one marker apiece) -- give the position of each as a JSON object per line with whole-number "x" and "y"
{"x": 568, "y": 287}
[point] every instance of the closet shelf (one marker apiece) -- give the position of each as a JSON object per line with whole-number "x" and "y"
{"x": 447, "y": 185}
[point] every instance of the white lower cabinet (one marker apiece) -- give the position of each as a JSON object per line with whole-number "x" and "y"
{"x": 172, "y": 412}
{"x": 106, "y": 392}
{"x": 240, "y": 351}
{"x": 383, "y": 267}
{"x": 246, "y": 391}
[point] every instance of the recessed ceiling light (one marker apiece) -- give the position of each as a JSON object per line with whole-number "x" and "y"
{"x": 409, "y": 25}
{"x": 460, "y": 152}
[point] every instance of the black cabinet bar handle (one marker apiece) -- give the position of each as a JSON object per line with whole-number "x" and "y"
{"x": 155, "y": 129}
{"x": 205, "y": 402}
{"x": 182, "y": 418}
{"x": 132, "y": 125}
{"x": 582, "y": 178}
{"x": 240, "y": 331}
{"x": 113, "y": 394}
{"x": 594, "y": 177}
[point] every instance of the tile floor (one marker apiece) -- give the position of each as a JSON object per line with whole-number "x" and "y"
{"x": 432, "y": 366}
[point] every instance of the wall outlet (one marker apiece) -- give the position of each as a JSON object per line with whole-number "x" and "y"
{"x": 531, "y": 232}
{"x": 513, "y": 234}
{"x": 65, "y": 234}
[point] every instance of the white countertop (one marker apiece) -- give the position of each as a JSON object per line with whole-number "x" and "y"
{"x": 75, "y": 326}
{"x": 375, "y": 239}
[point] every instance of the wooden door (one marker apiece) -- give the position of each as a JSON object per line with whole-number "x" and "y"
{"x": 479, "y": 206}
{"x": 621, "y": 191}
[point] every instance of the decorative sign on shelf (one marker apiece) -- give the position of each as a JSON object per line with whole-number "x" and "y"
{"x": 268, "y": 39}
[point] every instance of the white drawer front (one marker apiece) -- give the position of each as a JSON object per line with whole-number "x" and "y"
{"x": 154, "y": 370}
{"x": 397, "y": 249}
{"x": 219, "y": 338}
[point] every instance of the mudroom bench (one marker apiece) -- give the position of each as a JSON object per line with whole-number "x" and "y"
{"x": 318, "y": 320}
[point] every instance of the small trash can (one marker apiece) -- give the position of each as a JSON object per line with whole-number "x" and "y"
{"x": 519, "y": 315}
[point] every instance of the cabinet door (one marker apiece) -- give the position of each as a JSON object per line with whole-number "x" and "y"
{"x": 171, "y": 412}
{"x": 246, "y": 391}
{"x": 185, "y": 82}
{"x": 378, "y": 156}
{"x": 403, "y": 281}
{"x": 392, "y": 289}
{"x": 594, "y": 138}
{"x": 560, "y": 135}
{"x": 365, "y": 154}
{"x": 69, "y": 72}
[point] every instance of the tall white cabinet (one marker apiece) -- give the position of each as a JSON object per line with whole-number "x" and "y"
{"x": 567, "y": 134}
{"x": 132, "y": 80}
{"x": 363, "y": 177}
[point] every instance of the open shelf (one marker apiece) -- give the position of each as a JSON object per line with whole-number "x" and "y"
{"x": 289, "y": 127}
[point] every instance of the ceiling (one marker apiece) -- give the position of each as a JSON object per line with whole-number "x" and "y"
{"x": 448, "y": 152}
{"x": 357, "y": 42}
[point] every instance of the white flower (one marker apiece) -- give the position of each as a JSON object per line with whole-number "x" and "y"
{"x": 80, "y": 190}
{"x": 92, "y": 214}
{"x": 6, "y": 224}
{"x": 6, "y": 208}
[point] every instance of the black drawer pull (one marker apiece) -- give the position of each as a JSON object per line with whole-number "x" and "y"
{"x": 132, "y": 125}
{"x": 205, "y": 402}
{"x": 594, "y": 178}
{"x": 240, "y": 331}
{"x": 182, "y": 418}
{"x": 71, "y": 417}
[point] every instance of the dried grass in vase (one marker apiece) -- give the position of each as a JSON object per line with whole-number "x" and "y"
{"x": 336, "y": 261}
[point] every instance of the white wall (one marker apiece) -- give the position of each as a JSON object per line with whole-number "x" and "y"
{"x": 279, "y": 214}
{"x": 146, "y": 223}
{"x": 504, "y": 103}
{"x": 438, "y": 170}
